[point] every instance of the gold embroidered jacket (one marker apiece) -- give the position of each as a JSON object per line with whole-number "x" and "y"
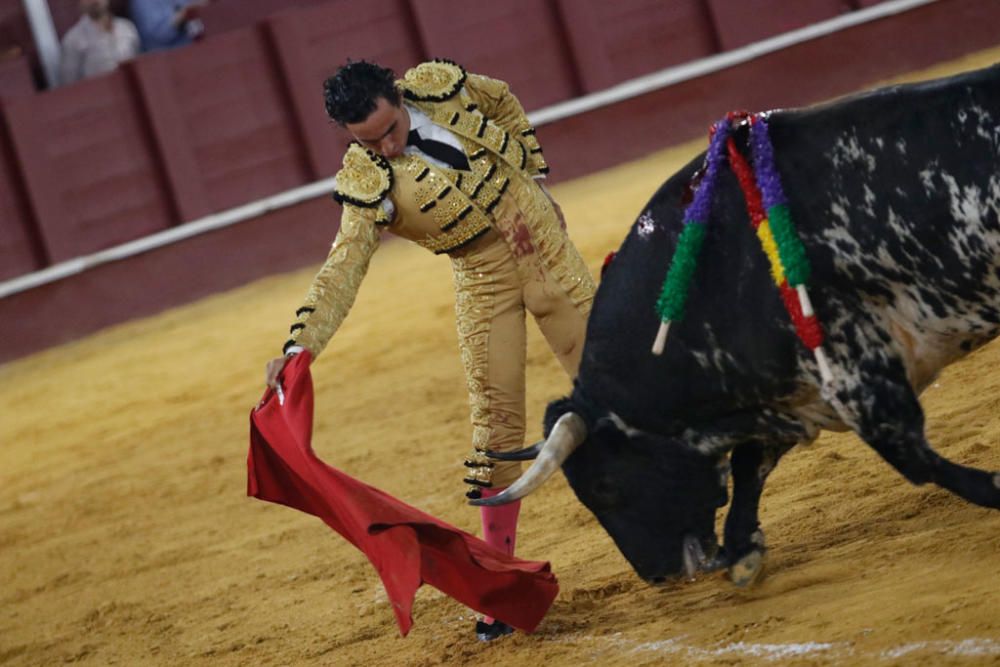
{"x": 440, "y": 209}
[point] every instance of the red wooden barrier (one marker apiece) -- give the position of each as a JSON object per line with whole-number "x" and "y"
{"x": 19, "y": 249}
{"x": 311, "y": 44}
{"x": 176, "y": 135}
{"x": 225, "y": 15}
{"x": 615, "y": 41}
{"x": 15, "y": 78}
{"x": 145, "y": 284}
{"x": 805, "y": 73}
{"x": 15, "y": 33}
{"x": 220, "y": 114}
{"x": 739, "y": 22}
{"x": 88, "y": 165}
{"x": 519, "y": 41}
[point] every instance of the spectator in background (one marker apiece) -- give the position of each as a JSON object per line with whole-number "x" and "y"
{"x": 96, "y": 43}
{"x": 166, "y": 24}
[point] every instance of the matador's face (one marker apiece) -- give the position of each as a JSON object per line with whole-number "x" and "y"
{"x": 384, "y": 130}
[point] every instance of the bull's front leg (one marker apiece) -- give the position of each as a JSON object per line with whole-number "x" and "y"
{"x": 744, "y": 547}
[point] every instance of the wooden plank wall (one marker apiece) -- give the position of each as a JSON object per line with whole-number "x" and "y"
{"x": 174, "y": 136}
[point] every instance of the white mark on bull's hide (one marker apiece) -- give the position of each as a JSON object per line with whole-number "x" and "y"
{"x": 722, "y": 362}
{"x": 985, "y": 127}
{"x": 645, "y": 225}
{"x": 622, "y": 426}
{"x": 962, "y": 116}
{"x": 967, "y": 205}
{"x": 846, "y": 356}
{"x": 901, "y": 146}
{"x": 847, "y": 153}
{"x": 839, "y": 210}
{"x": 996, "y": 480}
{"x": 847, "y": 251}
{"x": 879, "y": 142}
{"x": 927, "y": 178}
{"x": 869, "y": 206}
{"x": 972, "y": 208}
{"x": 710, "y": 445}
{"x": 900, "y": 230}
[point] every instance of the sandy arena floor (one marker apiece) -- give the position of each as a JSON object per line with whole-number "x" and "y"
{"x": 126, "y": 537}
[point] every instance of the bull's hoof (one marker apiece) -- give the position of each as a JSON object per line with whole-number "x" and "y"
{"x": 748, "y": 570}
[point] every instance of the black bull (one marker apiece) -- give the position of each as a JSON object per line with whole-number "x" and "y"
{"x": 896, "y": 198}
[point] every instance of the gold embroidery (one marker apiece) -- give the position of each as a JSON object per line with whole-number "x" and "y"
{"x": 364, "y": 180}
{"x": 473, "y": 302}
{"x": 479, "y": 133}
{"x": 433, "y": 81}
{"x": 474, "y": 226}
{"x": 479, "y": 477}
{"x": 335, "y": 287}
{"x": 478, "y": 459}
{"x": 440, "y": 196}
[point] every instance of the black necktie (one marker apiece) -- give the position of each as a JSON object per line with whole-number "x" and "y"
{"x": 439, "y": 151}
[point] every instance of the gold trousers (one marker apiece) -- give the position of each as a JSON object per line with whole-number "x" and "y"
{"x": 534, "y": 268}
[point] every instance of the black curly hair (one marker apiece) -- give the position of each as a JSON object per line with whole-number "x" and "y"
{"x": 352, "y": 93}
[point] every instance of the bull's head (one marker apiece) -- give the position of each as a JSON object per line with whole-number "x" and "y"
{"x": 655, "y": 496}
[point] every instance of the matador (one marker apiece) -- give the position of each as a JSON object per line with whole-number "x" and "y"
{"x": 449, "y": 160}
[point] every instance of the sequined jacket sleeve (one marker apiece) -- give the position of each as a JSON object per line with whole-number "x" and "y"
{"x": 334, "y": 288}
{"x": 502, "y": 107}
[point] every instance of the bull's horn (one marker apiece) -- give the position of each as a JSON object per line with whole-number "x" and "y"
{"x": 526, "y": 454}
{"x": 568, "y": 434}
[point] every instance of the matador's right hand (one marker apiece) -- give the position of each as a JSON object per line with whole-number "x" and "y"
{"x": 273, "y": 370}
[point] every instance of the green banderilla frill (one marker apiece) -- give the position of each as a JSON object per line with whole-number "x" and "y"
{"x": 674, "y": 295}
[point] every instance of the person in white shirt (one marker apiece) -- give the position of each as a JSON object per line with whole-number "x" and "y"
{"x": 96, "y": 43}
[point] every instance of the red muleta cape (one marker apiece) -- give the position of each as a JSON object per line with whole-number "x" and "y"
{"x": 406, "y": 546}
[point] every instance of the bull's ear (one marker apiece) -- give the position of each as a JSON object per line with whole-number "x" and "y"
{"x": 555, "y": 410}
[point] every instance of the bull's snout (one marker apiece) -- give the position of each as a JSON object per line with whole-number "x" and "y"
{"x": 695, "y": 557}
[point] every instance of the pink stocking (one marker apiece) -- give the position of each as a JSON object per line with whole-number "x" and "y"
{"x": 500, "y": 526}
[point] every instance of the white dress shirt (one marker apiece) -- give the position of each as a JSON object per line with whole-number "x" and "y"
{"x": 89, "y": 50}
{"x": 427, "y": 129}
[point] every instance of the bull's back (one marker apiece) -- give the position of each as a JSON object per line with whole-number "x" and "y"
{"x": 896, "y": 195}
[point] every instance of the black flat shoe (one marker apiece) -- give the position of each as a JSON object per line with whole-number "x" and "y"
{"x": 487, "y": 632}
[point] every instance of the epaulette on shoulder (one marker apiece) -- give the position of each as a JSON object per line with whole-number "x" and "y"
{"x": 433, "y": 81}
{"x": 364, "y": 180}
